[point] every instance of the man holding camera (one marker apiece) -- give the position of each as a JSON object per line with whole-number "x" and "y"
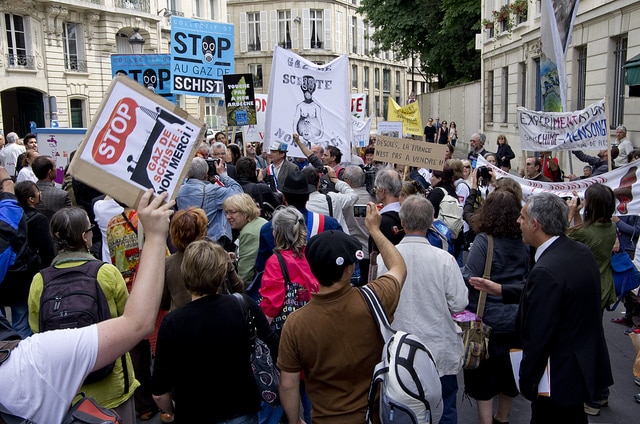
{"x": 201, "y": 192}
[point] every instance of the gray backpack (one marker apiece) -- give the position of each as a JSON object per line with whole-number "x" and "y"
{"x": 410, "y": 389}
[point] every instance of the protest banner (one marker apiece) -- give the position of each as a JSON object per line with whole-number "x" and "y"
{"x": 136, "y": 141}
{"x": 361, "y": 132}
{"x": 312, "y": 101}
{"x": 153, "y": 71}
{"x": 239, "y": 99}
{"x": 624, "y": 182}
{"x": 201, "y": 53}
{"x": 548, "y": 131}
{"x": 59, "y": 143}
{"x": 359, "y": 106}
{"x": 255, "y": 133}
{"x": 409, "y": 115}
{"x": 402, "y": 151}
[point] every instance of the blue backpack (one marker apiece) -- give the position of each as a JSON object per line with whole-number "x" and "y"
{"x": 439, "y": 236}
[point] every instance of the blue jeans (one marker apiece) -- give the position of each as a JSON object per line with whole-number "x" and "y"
{"x": 245, "y": 419}
{"x": 20, "y": 319}
{"x": 449, "y": 394}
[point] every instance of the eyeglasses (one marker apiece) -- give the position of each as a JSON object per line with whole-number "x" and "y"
{"x": 90, "y": 228}
{"x": 467, "y": 166}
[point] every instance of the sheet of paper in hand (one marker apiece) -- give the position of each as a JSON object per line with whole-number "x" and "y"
{"x": 137, "y": 140}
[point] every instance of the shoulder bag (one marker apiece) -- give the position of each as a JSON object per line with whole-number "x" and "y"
{"x": 265, "y": 372}
{"x": 626, "y": 276}
{"x": 476, "y": 333}
{"x": 292, "y": 301}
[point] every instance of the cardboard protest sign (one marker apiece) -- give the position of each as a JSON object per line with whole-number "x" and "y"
{"x": 201, "y": 53}
{"x": 239, "y": 99}
{"x": 136, "y": 141}
{"x": 548, "y": 131}
{"x": 402, "y": 151}
{"x": 312, "y": 100}
{"x": 153, "y": 71}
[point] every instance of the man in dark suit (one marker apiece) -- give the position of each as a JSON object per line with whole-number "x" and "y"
{"x": 559, "y": 317}
{"x": 53, "y": 198}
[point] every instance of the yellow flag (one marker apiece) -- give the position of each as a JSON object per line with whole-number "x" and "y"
{"x": 409, "y": 115}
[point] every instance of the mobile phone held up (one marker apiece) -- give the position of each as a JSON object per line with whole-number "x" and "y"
{"x": 360, "y": 211}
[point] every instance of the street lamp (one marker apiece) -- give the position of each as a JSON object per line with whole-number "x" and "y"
{"x": 137, "y": 42}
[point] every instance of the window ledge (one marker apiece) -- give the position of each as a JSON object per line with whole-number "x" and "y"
{"x": 22, "y": 70}
{"x": 76, "y": 73}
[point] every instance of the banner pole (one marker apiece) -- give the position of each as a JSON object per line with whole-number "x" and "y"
{"x": 606, "y": 110}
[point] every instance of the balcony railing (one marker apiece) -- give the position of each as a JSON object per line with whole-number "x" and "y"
{"x": 19, "y": 61}
{"x": 139, "y": 5}
{"x": 75, "y": 65}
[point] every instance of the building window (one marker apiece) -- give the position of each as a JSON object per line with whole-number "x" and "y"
{"x": 366, "y": 40}
{"x": 617, "y": 100}
{"x": 18, "y": 56}
{"x": 284, "y": 29}
{"x": 523, "y": 84}
{"x": 538, "y": 87}
{"x": 316, "y": 22}
{"x": 386, "y": 80}
{"x": 385, "y": 104}
{"x": 255, "y": 69}
{"x": 122, "y": 43}
{"x": 505, "y": 94}
{"x": 366, "y": 77}
{"x": 354, "y": 76}
{"x": 72, "y": 48}
{"x": 377, "y": 105}
{"x": 196, "y": 8}
{"x": 376, "y": 78}
{"x": 397, "y": 82}
{"x": 253, "y": 31}
{"x": 212, "y": 9}
{"x": 489, "y": 110}
{"x": 582, "y": 77}
{"x": 76, "y": 108}
{"x": 354, "y": 34}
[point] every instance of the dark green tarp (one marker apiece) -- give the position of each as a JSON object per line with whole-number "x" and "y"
{"x": 632, "y": 68}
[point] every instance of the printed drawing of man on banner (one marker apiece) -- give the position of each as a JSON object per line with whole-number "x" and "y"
{"x": 322, "y": 116}
{"x": 307, "y": 121}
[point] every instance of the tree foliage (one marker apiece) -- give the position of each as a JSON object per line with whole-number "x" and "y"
{"x": 439, "y": 32}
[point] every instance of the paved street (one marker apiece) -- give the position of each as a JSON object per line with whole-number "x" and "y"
{"x": 622, "y": 408}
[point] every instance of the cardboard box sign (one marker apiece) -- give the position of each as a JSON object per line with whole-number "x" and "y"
{"x": 137, "y": 140}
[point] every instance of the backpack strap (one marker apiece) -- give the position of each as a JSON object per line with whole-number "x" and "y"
{"x": 330, "y": 204}
{"x": 12, "y": 419}
{"x": 378, "y": 312}
{"x": 487, "y": 274}
{"x": 129, "y": 223}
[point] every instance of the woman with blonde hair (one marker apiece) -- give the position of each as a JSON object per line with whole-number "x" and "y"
{"x": 26, "y": 173}
{"x": 244, "y": 215}
{"x": 504, "y": 153}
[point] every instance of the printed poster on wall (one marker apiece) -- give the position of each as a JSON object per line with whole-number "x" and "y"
{"x": 136, "y": 141}
{"x": 548, "y": 131}
{"x": 239, "y": 100}
{"x": 201, "y": 53}
{"x": 310, "y": 100}
{"x": 153, "y": 71}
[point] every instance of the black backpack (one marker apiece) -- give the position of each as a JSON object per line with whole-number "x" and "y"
{"x": 72, "y": 298}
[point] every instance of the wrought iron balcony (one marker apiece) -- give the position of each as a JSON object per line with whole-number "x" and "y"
{"x": 19, "y": 61}
{"x": 139, "y": 5}
{"x": 75, "y": 65}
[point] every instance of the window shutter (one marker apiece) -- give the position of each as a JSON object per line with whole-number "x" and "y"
{"x": 360, "y": 36}
{"x": 306, "y": 30}
{"x": 339, "y": 46}
{"x": 295, "y": 30}
{"x": 243, "y": 32}
{"x": 264, "y": 32}
{"x": 327, "y": 30}
{"x": 274, "y": 28}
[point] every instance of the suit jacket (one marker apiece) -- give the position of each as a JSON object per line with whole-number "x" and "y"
{"x": 560, "y": 319}
{"x": 286, "y": 168}
{"x": 53, "y": 198}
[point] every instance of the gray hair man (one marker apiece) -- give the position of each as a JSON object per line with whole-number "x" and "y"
{"x": 476, "y": 142}
{"x": 9, "y": 154}
{"x": 624, "y": 146}
{"x": 425, "y": 309}
{"x": 559, "y": 319}
{"x": 199, "y": 192}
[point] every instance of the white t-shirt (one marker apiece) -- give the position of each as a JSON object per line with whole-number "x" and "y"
{"x": 46, "y": 371}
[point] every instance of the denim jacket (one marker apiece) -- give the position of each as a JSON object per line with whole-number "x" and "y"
{"x": 208, "y": 196}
